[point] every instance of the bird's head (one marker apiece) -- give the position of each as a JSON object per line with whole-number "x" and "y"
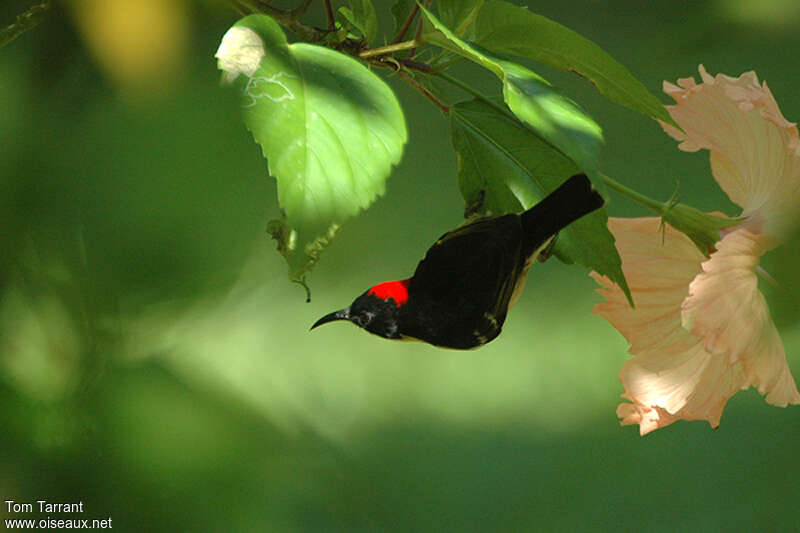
{"x": 377, "y": 310}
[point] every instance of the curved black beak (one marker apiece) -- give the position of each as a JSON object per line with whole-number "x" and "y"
{"x": 342, "y": 314}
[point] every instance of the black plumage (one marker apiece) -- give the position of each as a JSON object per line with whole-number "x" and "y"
{"x": 462, "y": 289}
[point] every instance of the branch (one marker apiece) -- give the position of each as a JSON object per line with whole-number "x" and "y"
{"x": 429, "y": 95}
{"x": 388, "y": 49}
{"x": 25, "y": 21}
{"x": 415, "y": 65}
{"x": 329, "y": 15}
{"x": 406, "y": 24}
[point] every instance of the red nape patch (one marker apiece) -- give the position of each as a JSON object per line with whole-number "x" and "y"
{"x": 396, "y": 290}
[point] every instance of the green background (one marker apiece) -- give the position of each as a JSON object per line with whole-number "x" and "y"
{"x": 156, "y": 364}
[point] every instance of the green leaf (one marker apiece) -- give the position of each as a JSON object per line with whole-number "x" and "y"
{"x": 330, "y": 129}
{"x": 507, "y": 29}
{"x": 531, "y": 98}
{"x": 459, "y": 16}
{"x": 511, "y": 169}
{"x": 361, "y": 15}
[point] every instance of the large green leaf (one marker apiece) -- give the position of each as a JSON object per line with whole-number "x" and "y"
{"x": 502, "y": 163}
{"x": 508, "y": 29}
{"x": 531, "y": 98}
{"x": 330, "y": 129}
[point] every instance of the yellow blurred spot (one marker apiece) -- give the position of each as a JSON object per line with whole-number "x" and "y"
{"x": 140, "y": 44}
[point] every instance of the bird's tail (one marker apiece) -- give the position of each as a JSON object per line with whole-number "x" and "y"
{"x": 573, "y": 199}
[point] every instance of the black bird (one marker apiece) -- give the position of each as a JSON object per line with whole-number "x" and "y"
{"x": 464, "y": 286}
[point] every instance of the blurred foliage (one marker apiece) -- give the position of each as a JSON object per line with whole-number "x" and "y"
{"x": 155, "y": 364}
{"x": 140, "y": 44}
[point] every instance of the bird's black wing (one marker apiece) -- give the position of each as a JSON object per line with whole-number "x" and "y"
{"x": 460, "y": 291}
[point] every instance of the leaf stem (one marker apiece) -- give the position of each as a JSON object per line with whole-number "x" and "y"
{"x": 406, "y": 24}
{"x": 388, "y": 49}
{"x": 639, "y": 198}
{"x": 425, "y": 92}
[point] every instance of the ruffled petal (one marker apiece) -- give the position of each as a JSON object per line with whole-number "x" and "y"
{"x": 658, "y": 276}
{"x": 701, "y": 329}
{"x": 671, "y": 375}
{"x": 726, "y": 309}
{"x": 679, "y": 382}
{"x": 649, "y": 419}
{"x": 755, "y": 151}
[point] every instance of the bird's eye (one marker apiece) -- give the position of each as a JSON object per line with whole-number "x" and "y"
{"x": 362, "y": 319}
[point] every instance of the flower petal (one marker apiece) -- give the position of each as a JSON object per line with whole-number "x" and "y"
{"x": 726, "y": 309}
{"x": 659, "y": 276}
{"x": 671, "y": 375}
{"x": 682, "y": 382}
{"x": 755, "y": 151}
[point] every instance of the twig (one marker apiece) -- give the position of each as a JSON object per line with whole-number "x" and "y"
{"x": 329, "y": 15}
{"x": 25, "y": 21}
{"x": 419, "y": 33}
{"x": 388, "y": 49}
{"x": 300, "y": 10}
{"x": 429, "y": 95}
{"x": 239, "y": 8}
{"x": 404, "y": 28}
{"x": 416, "y": 65}
{"x": 288, "y": 19}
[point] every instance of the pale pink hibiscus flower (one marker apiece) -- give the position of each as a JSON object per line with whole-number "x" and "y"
{"x": 701, "y": 329}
